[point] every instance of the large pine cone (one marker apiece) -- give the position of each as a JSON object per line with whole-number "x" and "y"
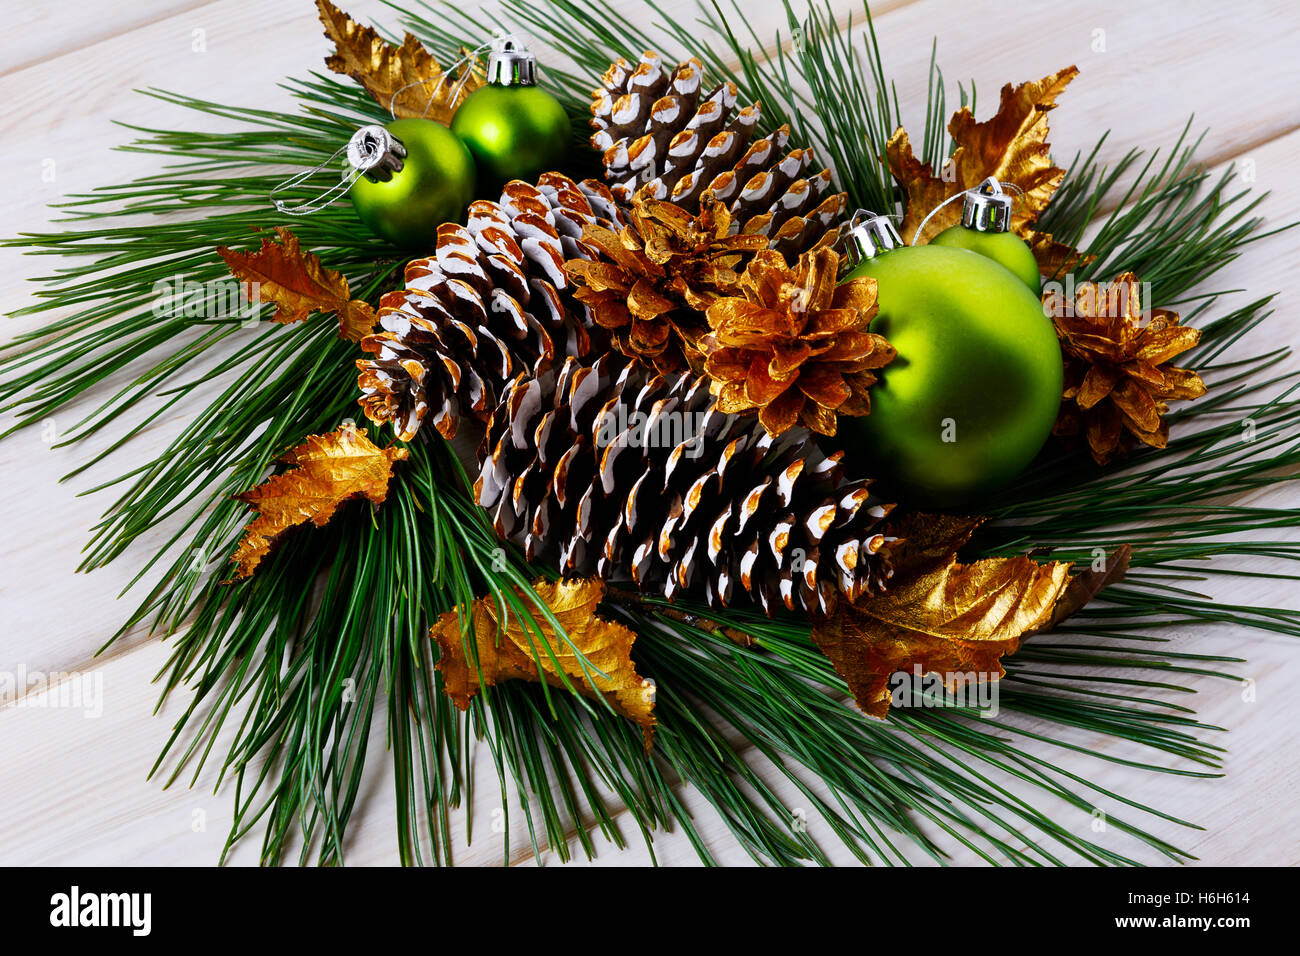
{"x": 628, "y": 473}
{"x": 491, "y": 303}
{"x": 661, "y": 136}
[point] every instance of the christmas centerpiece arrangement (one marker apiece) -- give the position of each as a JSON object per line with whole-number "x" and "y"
{"x": 671, "y": 424}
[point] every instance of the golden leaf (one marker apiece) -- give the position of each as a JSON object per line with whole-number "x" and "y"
{"x": 298, "y": 284}
{"x": 328, "y": 471}
{"x": 946, "y": 617}
{"x": 507, "y": 649}
{"x": 1012, "y": 146}
{"x": 1084, "y": 587}
{"x": 405, "y": 80}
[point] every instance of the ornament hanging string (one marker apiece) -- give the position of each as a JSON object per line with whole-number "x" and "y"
{"x": 354, "y": 171}
{"x": 955, "y": 196}
{"x": 326, "y": 198}
{"x": 466, "y": 58}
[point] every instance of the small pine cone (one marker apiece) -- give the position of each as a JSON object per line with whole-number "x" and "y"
{"x": 793, "y": 345}
{"x": 626, "y": 473}
{"x": 1118, "y": 376}
{"x": 492, "y": 302}
{"x": 650, "y": 284}
{"x": 663, "y": 135}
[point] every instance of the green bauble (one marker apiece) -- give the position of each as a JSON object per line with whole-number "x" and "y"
{"x": 973, "y": 393}
{"x": 1005, "y": 248}
{"x": 434, "y": 185}
{"x": 513, "y": 132}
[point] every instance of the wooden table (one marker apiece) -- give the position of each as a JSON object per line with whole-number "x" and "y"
{"x": 74, "y": 787}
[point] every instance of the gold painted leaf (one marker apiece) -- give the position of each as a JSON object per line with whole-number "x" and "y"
{"x": 298, "y": 284}
{"x": 1084, "y": 587}
{"x": 946, "y": 617}
{"x": 1012, "y": 146}
{"x": 406, "y": 80}
{"x": 507, "y": 649}
{"x": 1054, "y": 258}
{"x": 327, "y": 470}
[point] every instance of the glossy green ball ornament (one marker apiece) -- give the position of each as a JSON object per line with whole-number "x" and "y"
{"x": 974, "y": 391}
{"x": 415, "y": 174}
{"x": 985, "y": 229}
{"x": 513, "y": 128}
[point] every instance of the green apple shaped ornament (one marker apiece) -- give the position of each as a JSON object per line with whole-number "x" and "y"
{"x": 513, "y": 128}
{"x": 985, "y": 228}
{"x": 411, "y": 175}
{"x": 974, "y": 391}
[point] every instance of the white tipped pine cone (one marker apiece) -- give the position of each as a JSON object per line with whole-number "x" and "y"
{"x": 490, "y": 303}
{"x": 616, "y": 472}
{"x": 664, "y": 135}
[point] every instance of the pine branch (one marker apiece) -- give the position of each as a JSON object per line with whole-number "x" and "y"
{"x": 335, "y": 626}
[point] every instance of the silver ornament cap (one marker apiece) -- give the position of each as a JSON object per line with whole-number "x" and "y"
{"x": 510, "y": 63}
{"x": 376, "y": 153}
{"x": 987, "y": 208}
{"x": 867, "y": 237}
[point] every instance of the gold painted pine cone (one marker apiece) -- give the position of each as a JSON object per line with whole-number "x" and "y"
{"x": 612, "y": 471}
{"x": 651, "y": 282}
{"x": 664, "y": 135}
{"x": 793, "y": 345}
{"x": 1119, "y": 379}
{"x": 492, "y": 302}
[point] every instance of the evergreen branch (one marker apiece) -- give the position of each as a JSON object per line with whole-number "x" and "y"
{"x": 337, "y": 621}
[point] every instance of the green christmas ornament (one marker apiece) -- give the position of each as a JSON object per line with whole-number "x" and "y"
{"x": 413, "y": 175}
{"x": 513, "y": 128}
{"x": 974, "y": 391}
{"x": 986, "y": 229}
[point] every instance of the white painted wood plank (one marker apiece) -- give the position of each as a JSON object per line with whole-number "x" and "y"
{"x": 35, "y": 32}
{"x": 1144, "y": 67}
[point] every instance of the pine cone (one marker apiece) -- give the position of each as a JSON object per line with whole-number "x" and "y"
{"x": 662, "y": 137}
{"x": 629, "y": 474}
{"x": 1117, "y": 380}
{"x": 794, "y": 345}
{"x": 657, "y": 276}
{"x": 489, "y": 304}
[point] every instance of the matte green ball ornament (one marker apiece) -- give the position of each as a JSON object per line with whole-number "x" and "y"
{"x": 414, "y": 175}
{"x": 974, "y": 391}
{"x": 985, "y": 228}
{"x": 513, "y": 128}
